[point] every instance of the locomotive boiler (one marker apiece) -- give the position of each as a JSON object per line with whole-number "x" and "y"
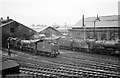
{"x": 38, "y": 46}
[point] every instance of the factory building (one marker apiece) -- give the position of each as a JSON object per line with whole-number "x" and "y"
{"x": 106, "y": 28}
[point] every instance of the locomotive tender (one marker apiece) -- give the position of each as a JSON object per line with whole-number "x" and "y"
{"x": 37, "y": 46}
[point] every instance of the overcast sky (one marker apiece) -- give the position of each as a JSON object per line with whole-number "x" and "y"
{"x": 47, "y": 12}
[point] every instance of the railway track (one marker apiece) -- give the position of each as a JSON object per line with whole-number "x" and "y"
{"x": 64, "y": 66}
{"x": 105, "y": 58}
{"x": 63, "y": 70}
{"x": 100, "y": 63}
{"x": 69, "y": 60}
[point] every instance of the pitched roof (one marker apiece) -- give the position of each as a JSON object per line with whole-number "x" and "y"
{"x": 5, "y": 22}
{"x": 105, "y": 21}
{"x": 40, "y": 29}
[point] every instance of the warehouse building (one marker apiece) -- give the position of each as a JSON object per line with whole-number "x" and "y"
{"x": 107, "y": 27}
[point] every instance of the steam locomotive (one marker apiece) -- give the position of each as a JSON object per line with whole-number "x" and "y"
{"x": 90, "y": 45}
{"x": 38, "y": 46}
{"x": 104, "y": 47}
{"x": 73, "y": 44}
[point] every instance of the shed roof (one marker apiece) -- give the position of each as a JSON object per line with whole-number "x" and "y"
{"x": 7, "y": 64}
{"x": 6, "y": 22}
{"x": 62, "y": 30}
{"x": 105, "y": 21}
{"x": 40, "y": 29}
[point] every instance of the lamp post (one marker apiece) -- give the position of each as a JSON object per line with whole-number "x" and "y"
{"x": 97, "y": 19}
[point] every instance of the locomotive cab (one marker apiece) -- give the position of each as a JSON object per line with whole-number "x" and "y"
{"x": 55, "y": 48}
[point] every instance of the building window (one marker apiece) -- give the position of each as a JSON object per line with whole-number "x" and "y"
{"x": 12, "y": 30}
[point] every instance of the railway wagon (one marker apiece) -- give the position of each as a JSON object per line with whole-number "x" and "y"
{"x": 37, "y": 46}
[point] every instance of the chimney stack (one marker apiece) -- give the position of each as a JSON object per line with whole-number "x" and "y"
{"x": 83, "y": 22}
{"x": 1, "y": 20}
{"x": 7, "y": 17}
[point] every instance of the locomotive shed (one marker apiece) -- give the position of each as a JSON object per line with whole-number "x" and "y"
{"x": 67, "y": 64}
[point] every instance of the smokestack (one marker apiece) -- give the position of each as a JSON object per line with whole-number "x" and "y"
{"x": 83, "y": 24}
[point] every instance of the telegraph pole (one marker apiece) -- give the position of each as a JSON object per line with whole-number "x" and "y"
{"x": 97, "y": 19}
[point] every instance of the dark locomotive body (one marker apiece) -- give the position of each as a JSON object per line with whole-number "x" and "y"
{"x": 40, "y": 47}
{"x": 104, "y": 47}
{"x": 90, "y": 45}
